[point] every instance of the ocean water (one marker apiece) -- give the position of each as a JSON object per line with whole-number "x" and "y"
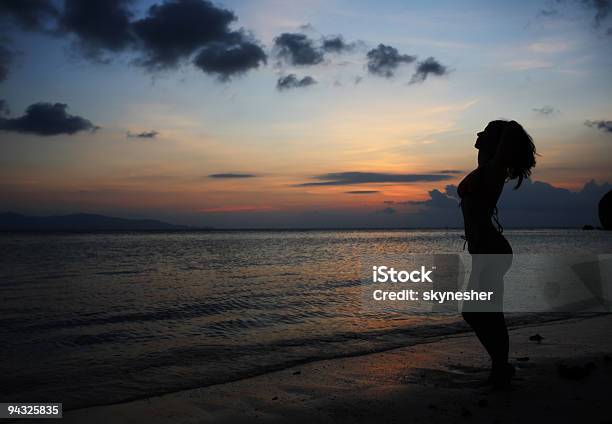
{"x": 89, "y": 319}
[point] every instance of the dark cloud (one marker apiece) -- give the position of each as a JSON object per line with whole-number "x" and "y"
{"x": 47, "y": 119}
{"x": 144, "y": 134}
{"x": 170, "y": 33}
{"x": 437, "y": 199}
{"x": 545, "y": 110}
{"x": 450, "y": 171}
{"x": 384, "y": 60}
{"x": 427, "y": 67}
{"x": 388, "y": 211}
{"x": 605, "y": 126}
{"x": 539, "y": 196}
{"x": 389, "y": 202}
{"x": 300, "y": 50}
{"x": 175, "y": 29}
{"x": 292, "y": 81}
{"x": 98, "y": 24}
{"x": 362, "y": 192}
{"x": 602, "y": 9}
{"x": 535, "y": 204}
{"x": 231, "y": 175}
{"x": 4, "y": 108}
{"x": 226, "y": 60}
{"x": 349, "y": 178}
{"x": 6, "y": 60}
{"x": 297, "y": 49}
{"x": 336, "y": 44}
{"x": 28, "y": 14}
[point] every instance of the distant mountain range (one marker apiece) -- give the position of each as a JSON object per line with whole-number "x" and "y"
{"x": 82, "y": 222}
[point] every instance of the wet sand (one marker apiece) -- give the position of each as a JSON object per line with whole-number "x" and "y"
{"x": 565, "y": 377}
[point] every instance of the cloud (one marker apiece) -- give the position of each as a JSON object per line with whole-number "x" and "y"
{"x": 231, "y": 175}
{"x": 362, "y": 192}
{"x": 98, "y": 24}
{"x": 297, "y": 49}
{"x": 47, "y": 119}
{"x": 437, "y": 199}
{"x": 6, "y": 60}
{"x": 384, "y": 60}
{"x": 602, "y": 9}
{"x": 175, "y": 29}
{"x": 427, "y": 67}
{"x": 535, "y": 204}
{"x": 144, "y": 134}
{"x": 450, "y": 171}
{"x": 605, "y": 126}
{"x": 292, "y": 81}
{"x": 226, "y": 60}
{"x": 171, "y": 33}
{"x": 28, "y": 14}
{"x": 349, "y": 178}
{"x": 546, "y": 110}
{"x": 336, "y": 44}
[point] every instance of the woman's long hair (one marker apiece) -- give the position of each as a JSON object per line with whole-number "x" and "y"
{"x": 519, "y": 153}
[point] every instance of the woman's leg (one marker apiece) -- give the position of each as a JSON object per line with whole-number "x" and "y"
{"x": 491, "y": 330}
{"x": 488, "y": 319}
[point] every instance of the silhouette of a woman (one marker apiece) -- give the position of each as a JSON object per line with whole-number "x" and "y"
{"x": 505, "y": 151}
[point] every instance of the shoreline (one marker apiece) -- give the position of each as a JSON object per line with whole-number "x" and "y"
{"x": 441, "y": 332}
{"x": 298, "y": 392}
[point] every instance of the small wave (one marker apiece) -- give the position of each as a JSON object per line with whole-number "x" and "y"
{"x": 138, "y": 271}
{"x": 183, "y": 312}
{"x": 93, "y": 339}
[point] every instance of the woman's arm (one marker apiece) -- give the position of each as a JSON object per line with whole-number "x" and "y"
{"x": 504, "y": 147}
{"x": 497, "y": 167}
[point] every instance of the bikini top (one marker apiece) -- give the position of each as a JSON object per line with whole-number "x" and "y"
{"x": 474, "y": 185}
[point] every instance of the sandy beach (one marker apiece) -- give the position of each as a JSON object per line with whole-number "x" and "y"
{"x": 564, "y": 377}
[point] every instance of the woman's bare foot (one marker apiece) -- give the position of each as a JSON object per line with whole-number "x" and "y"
{"x": 501, "y": 376}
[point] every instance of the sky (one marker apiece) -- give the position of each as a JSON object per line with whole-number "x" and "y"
{"x": 305, "y": 114}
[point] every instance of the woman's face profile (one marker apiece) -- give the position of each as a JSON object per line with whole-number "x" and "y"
{"x": 483, "y": 137}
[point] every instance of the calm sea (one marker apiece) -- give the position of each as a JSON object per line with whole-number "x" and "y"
{"x": 101, "y": 318}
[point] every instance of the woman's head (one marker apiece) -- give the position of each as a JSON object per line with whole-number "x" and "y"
{"x": 518, "y": 152}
